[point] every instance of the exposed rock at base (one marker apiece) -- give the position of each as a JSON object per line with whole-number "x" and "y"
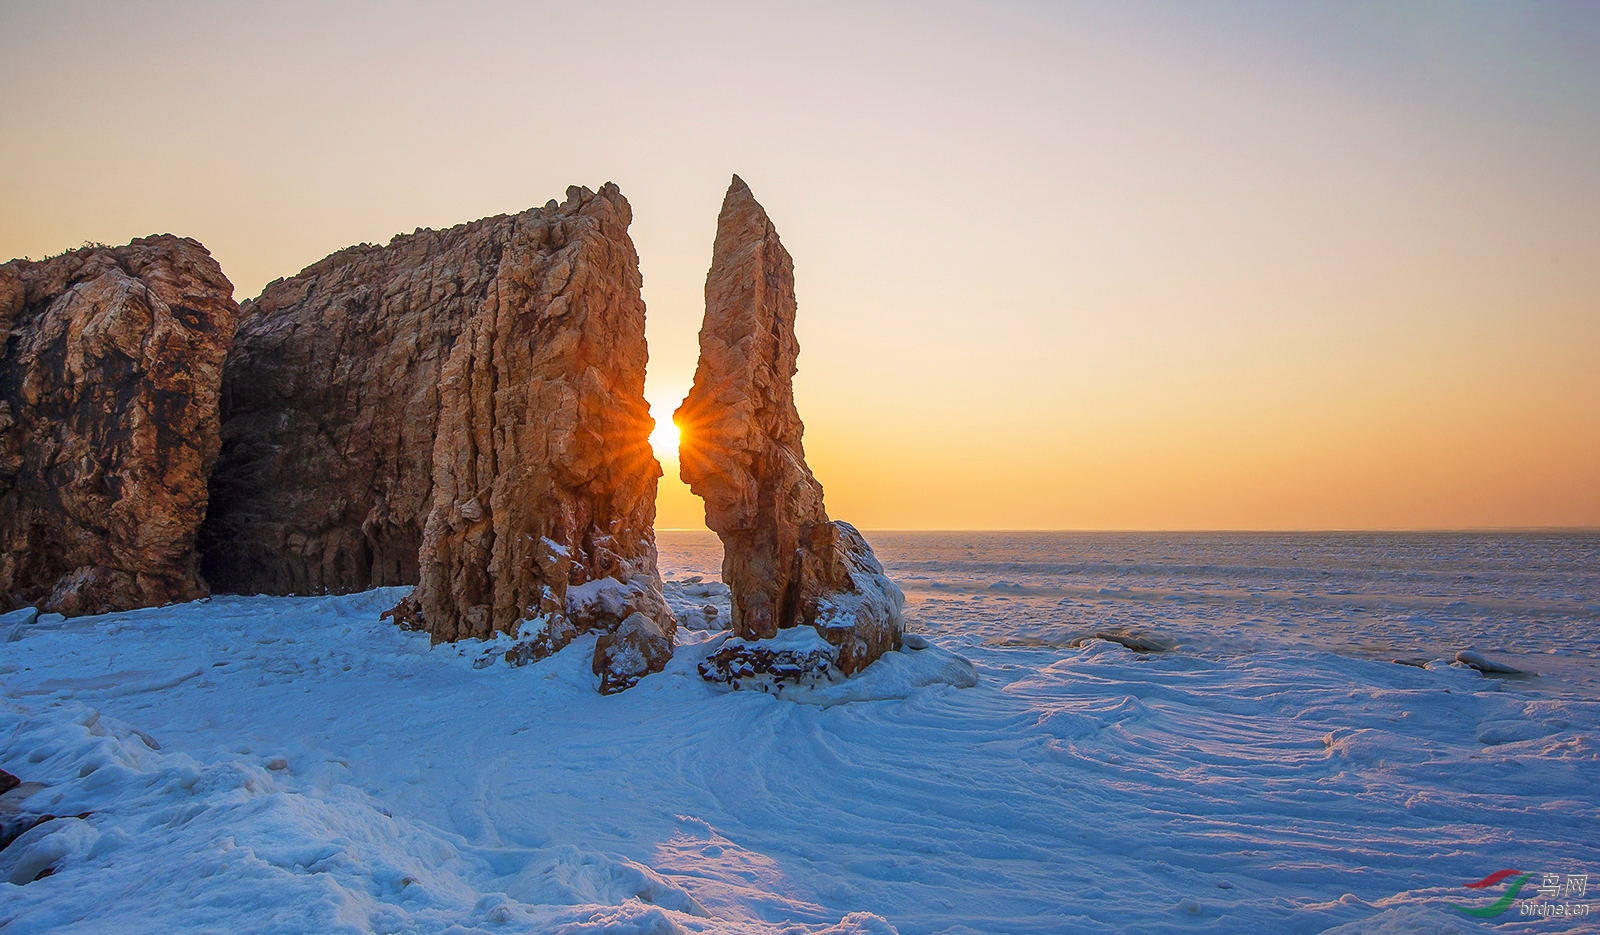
{"x": 796, "y": 656}
{"x": 858, "y": 609}
{"x": 637, "y": 647}
{"x": 784, "y": 561}
{"x": 109, "y": 383}
{"x": 15, "y": 819}
{"x": 799, "y": 665}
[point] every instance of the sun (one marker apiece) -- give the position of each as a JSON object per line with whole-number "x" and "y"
{"x": 665, "y": 436}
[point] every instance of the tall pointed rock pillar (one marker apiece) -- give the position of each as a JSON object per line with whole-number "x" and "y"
{"x": 784, "y": 561}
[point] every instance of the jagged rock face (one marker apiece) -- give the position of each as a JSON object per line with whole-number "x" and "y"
{"x": 848, "y": 598}
{"x": 741, "y": 451}
{"x": 330, "y": 408}
{"x": 463, "y": 410}
{"x": 109, "y": 384}
{"x": 542, "y": 469}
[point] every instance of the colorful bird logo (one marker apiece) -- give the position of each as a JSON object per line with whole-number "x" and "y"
{"x": 1504, "y": 902}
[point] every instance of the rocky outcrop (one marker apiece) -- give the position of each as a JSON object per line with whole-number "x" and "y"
{"x": 543, "y": 506}
{"x": 461, "y": 409}
{"x": 330, "y": 407}
{"x": 109, "y": 383}
{"x": 741, "y": 451}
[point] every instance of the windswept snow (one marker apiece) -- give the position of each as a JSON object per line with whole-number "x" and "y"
{"x": 296, "y": 765}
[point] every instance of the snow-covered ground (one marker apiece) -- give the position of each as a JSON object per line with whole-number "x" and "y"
{"x": 296, "y": 765}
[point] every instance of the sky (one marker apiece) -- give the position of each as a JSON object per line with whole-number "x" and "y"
{"x": 1115, "y": 265}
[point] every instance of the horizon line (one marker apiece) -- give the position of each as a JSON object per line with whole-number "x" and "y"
{"x": 1205, "y": 530}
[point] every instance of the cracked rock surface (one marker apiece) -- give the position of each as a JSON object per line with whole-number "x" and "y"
{"x": 109, "y": 377}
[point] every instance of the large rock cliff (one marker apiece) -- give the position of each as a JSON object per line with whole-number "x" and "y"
{"x": 784, "y": 561}
{"x": 543, "y": 509}
{"x": 330, "y": 407}
{"x": 109, "y": 380}
{"x": 461, "y": 409}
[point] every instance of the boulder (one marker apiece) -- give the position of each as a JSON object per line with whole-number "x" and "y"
{"x": 635, "y": 648}
{"x": 784, "y": 561}
{"x": 110, "y": 374}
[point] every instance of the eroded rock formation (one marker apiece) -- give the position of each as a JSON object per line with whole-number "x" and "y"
{"x": 109, "y": 383}
{"x": 463, "y": 410}
{"x": 741, "y": 451}
{"x": 543, "y": 508}
{"x": 330, "y": 408}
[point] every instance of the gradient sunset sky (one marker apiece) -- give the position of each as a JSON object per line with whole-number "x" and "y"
{"x": 1060, "y": 265}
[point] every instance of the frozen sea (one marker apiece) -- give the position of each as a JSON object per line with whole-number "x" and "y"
{"x": 252, "y": 764}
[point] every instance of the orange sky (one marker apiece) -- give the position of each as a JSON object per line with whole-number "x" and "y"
{"x": 1089, "y": 265}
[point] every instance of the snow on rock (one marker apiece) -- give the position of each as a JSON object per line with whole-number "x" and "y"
{"x": 636, "y": 648}
{"x": 601, "y": 605}
{"x": 699, "y": 604}
{"x": 15, "y": 623}
{"x": 41, "y": 849}
{"x": 20, "y": 617}
{"x": 895, "y": 675}
{"x": 795, "y": 656}
{"x": 861, "y": 616}
{"x": 1138, "y": 640}
{"x": 799, "y": 665}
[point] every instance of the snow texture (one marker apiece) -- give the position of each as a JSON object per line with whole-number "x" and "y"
{"x": 296, "y": 765}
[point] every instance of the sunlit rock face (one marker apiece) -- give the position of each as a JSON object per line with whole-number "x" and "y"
{"x": 543, "y": 505}
{"x": 461, "y": 409}
{"x": 109, "y": 380}
{"x": 784, "y": 561}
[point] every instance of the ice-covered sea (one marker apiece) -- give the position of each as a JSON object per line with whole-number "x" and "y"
{"x": 252, "y": 764}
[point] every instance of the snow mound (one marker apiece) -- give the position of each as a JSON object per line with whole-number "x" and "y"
{"x": 1410, "y": 920}
{"x": 699, "y": 604}
{"x": 236, "y": 845}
